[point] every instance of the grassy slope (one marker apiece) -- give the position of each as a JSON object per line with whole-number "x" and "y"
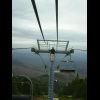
{"x": 61, "y": 98}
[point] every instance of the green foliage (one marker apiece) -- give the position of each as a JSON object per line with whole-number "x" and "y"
{"x": 20, "y": 86}
{"x": 77, "y": 88}
{"x": 14, "y": 87}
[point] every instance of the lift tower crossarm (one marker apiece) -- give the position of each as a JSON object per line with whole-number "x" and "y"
{"x": 58, "y": 51}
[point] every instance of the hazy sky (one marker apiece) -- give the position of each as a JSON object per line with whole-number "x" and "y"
{"x": 72, "y": 19}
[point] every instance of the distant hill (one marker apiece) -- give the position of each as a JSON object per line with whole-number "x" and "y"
{"x": 25, "y": 62}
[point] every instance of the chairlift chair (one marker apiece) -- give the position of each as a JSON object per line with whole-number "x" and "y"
{"x": 24, "y": 96}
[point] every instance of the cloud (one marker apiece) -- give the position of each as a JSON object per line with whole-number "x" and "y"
{"x": 72, "y": 20}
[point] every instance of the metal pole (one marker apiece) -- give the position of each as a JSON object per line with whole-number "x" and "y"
{"x": 51, "y": 82}
{"x": 38, "y": 44}
{"x": 31, "y": 88}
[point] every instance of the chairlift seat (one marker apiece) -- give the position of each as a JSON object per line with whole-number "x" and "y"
{"x": 64, "y": 70}
{"x": 21, "y": 97}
